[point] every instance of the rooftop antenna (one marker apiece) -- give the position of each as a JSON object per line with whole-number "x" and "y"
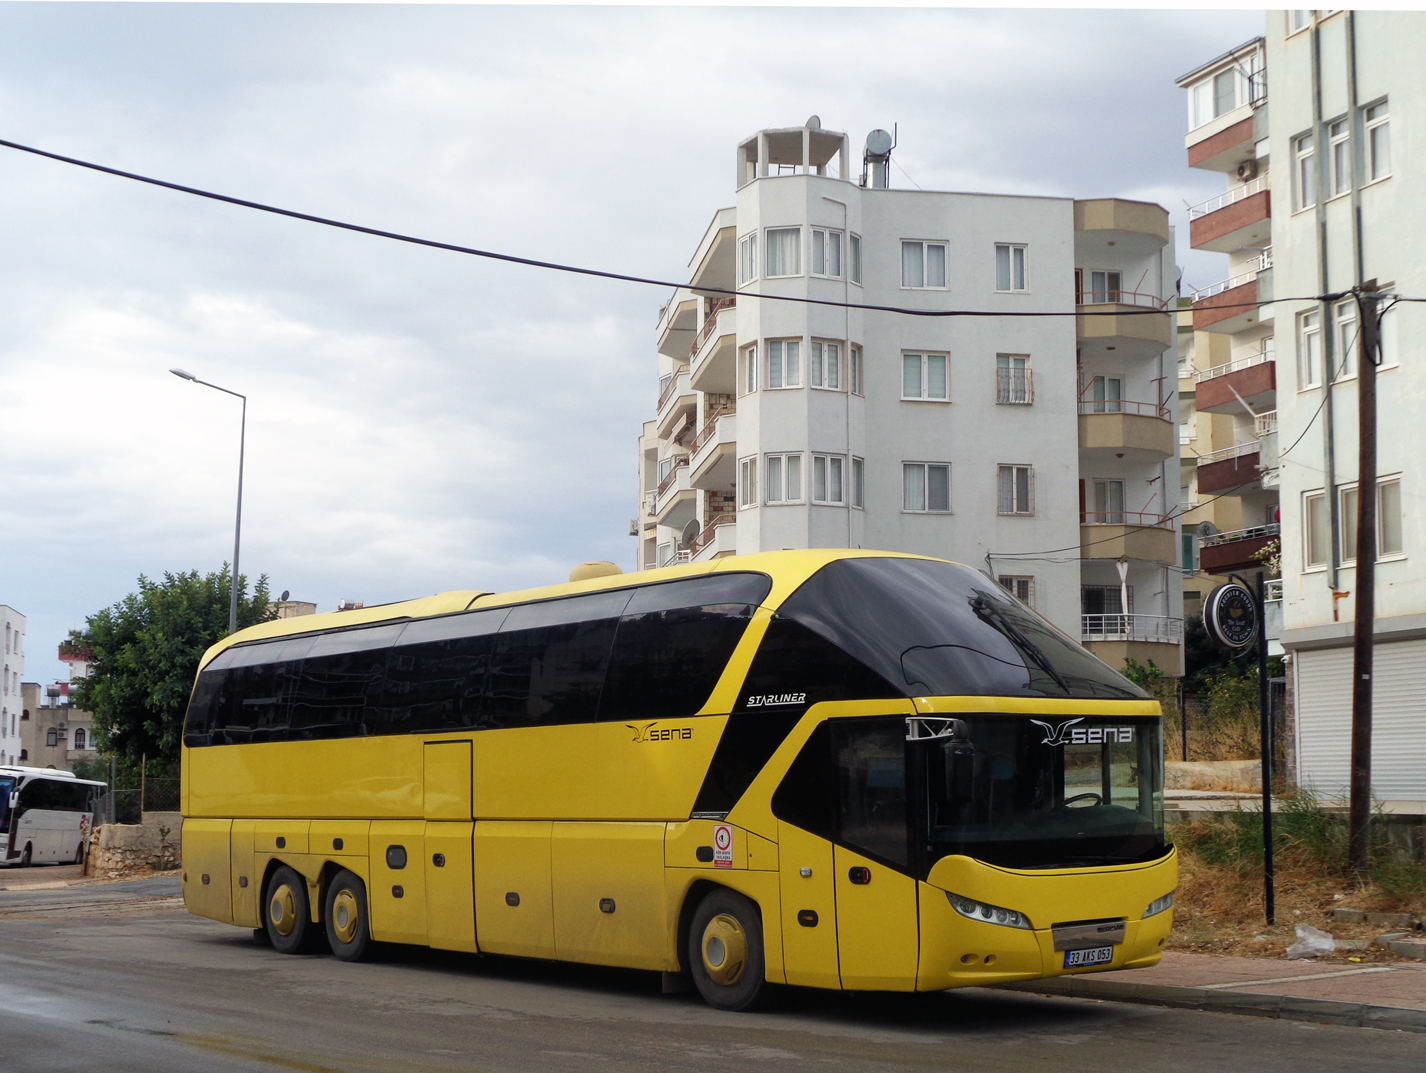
{"x": 877, "y": 156}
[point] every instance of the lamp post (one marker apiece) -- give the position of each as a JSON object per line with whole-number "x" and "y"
{"x": 238, "y": 524}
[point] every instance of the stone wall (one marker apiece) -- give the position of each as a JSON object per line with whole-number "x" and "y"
{"x": 129, "y": 847}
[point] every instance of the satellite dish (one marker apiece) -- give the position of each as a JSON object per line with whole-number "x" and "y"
{"x": 1205, "y": 530}
{"x": 813, "y": 123}
{"x": 283, "y": 598}
{"x": 878, "y": 143}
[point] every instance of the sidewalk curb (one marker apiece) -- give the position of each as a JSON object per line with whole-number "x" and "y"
{"x": 1213, "y": 1000}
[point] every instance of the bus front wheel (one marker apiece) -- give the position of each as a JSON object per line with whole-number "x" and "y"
{"x": 286, "y": 912}
{"x": 346, "y": 919}
{"x": 725, "y": 952}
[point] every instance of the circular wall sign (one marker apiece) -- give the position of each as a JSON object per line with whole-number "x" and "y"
{"x": 1230, "y": 614}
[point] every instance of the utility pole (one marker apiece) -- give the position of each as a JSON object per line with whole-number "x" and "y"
{"x": 1359, "y": 810}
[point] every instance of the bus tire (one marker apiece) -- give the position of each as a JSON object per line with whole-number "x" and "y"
{"x": 25, "y": 857}
{"x": 348, "y": 932}
{"x": 725, "y": 952}
{"x": 78, "y": 854}
{"x": 286, "y": 913}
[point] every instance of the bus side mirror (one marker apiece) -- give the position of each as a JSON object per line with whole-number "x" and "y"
{"x": 14, "y": 798}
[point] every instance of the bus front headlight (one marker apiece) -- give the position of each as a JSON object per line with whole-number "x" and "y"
{"x": 1158, "y": 905}
{"x": 988, "y": 914}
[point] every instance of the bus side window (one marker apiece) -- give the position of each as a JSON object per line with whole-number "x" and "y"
{"x": 795, "y": 661}
{"x": 806, "y": 796}
{"x": 870, "y": 760}
{"x": 435, "y": 676}
{"x": 340, "y": 680}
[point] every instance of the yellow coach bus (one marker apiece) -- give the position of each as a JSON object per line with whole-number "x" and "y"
{"x": 838, "y": 769}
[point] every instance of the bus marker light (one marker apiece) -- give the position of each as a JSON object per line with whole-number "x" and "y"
{"x": 805, "y": 872}
{"x": 242, "y": 881}
{"x": 395, "y": 857}
{"x": 606, "y": 905}
{"x": 397, "y": 892}
{"x": 859, "y": 875}
{"x": 511, "y": 898}
{"x": 439, "y": 860}
{"x": 337, "y": 843}
{"x": 807, "y": 918}
{"x": 281, "y": 842}
{"x": 206, "y": 879}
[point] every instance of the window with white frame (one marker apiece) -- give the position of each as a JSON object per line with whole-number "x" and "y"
{"x": 1388, "y": 519}
{"x": 1104, "y": 287}
{"x": 826, "y": 253}
{"x": 1020, "y": 586}
{"x": 858, "y": 482}
{"x": 854, "y": 257}
{"x": 923, "y": 264}
{"x": 824, "y": 365}
{"x": 1344, "y": 322}
{"x": 1298, "y": 20}
{"x": 750, "y": 369}
{"x": 1316, "y": 529}
{"x": 1304, "y": 171}
{"x": 926, "y": 377}
{"x": 782, "y": 478}
{"x": 1016, "y": 490}
{"x": 829, "y": 479}
{"x": 1220, "y": 93}
{"x": 748, "y": 258}
{"x": 1010, "y": 267}
{"x": 926, "y": 487}
{"x": 1309, "y": 349}
{"x": 1339, "y": 156}
{"x": 782, "y": 252}
{"x": 748, "y": 482}
{"x": 1012, "y": 379}
{"x": 1378, "y": 155}
{"x": 784, "y": 363}
{"x": 854, "y": 368}
{"x": 1108, "y": 502}
{"x": 1106, "y": 395}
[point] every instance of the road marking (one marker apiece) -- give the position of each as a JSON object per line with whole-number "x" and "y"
{"x": 1308, "y": 976}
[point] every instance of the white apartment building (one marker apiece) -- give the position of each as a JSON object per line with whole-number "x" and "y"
{"x": 1016, "y": 445}
{"x": 1344, "y": 94}
{"x": 11, "y": 702}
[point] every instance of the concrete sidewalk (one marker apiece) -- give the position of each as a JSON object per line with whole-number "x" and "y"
{"x": 1369, "y": 995}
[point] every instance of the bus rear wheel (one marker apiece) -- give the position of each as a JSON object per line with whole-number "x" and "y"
{"x": 725, "y": 952}
{"x": 348, "y": 933}
{"x": 287, "y": 915}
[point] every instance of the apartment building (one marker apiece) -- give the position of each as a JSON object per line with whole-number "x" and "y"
{"x": 1344, "y": 94}
{"x": 11, "y": 699}
{"x": 1039, "y": 449}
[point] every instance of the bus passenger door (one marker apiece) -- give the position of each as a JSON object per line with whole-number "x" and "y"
{"x": 449, "y": 861}
{"x": 809, "y": 907}
{"x": 878, "y": 938}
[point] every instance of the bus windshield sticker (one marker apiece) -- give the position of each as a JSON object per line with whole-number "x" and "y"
{"x": 651, "y": 732}
{"x": 768, "y": 700}
{"x": 722, "y": 845}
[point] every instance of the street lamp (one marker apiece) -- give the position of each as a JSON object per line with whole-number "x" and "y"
{"x": 238, "y": 525}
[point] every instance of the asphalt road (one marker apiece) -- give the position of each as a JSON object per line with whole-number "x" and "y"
{"x": 116, "y": 977}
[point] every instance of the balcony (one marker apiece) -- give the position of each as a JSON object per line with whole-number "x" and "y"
{"x": 712, "y": 356}
{"x": 1158, "y": 629}
{"x": 718, "y": 538}
{"x": 1225, "y": 142}
{"x": 677, "y": 403}
{"x": 678, "y": 321}
{"x": 1231, "y": 469}
{"x": 1118, "y": 428}
{"x": 714, "y": 465}
{"x": 1235, "y": 219}
{"x": 1236, "y": 550}
{"x": 1128, "y": 534}
{"x": 1253, "y": 380}
{"x": 675, "y": 498}
{"x": 1118, "y": 319}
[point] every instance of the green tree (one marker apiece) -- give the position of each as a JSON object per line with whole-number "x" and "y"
{"x": 144, "y": 654}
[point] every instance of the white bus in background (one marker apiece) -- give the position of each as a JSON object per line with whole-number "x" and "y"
{"x": 45, "y": 815}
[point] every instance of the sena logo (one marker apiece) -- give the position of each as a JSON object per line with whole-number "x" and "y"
{"x": 768, "y": 700}
{"x": 652, "y": 732}
{"x": 1067, "y": 733}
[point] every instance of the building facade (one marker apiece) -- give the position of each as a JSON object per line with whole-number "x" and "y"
{"x": 11, "y": 697}
{"x": 1019, "y": 445}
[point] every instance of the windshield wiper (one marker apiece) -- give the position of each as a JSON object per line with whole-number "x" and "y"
{"x": 992, "y": 616}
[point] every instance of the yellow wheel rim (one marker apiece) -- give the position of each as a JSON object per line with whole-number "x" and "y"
{"x": 725, "y": 950}
{"x": 346, "y": 915}
{"x": 282, "y": 910}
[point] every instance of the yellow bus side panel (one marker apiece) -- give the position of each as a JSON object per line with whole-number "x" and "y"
{"x": 609, "y": 894}
{"x": 398, "y": 895}
{"x": 878, "y": 940}
{"x": 338, "y": 839}
{"x": 207, "y": 868}
{"x": 281, "y": 837}
{"x": 447, "y": 766}
{"x": 379, "y": 778}
{"x": 683, "y": 840}
{"x": 246, "y": 881}
{"x": 512, "y": 857}
{"x": 809, "y": 943}
{"x": 450, "y": 886}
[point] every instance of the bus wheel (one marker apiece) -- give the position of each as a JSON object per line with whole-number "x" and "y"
{"x": 25, "y": 857}
{"x": 78, "y": 854}
{"x": 347, "y": 931}
{"x": 286, "y": 913}
{"x": 725, "y": 952}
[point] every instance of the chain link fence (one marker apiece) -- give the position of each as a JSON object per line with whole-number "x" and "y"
{"x": 129, "y": 805}
{"x": 1225, "y": 725}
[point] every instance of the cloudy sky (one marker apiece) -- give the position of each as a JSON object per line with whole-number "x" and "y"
{"x": 418, "y": 420}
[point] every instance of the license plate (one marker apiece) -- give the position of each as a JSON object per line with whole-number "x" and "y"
{"x": 1099, "y": 955}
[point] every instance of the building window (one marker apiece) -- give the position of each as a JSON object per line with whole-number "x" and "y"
{"x": 784, "y": 251}
{"x": 926, "y": 376}
{"x": 782, "y": 478}
{"x": 1388, "y": 520}
{"x": 80, "y": 738}
{"x": 1020, "y": 586}
{"x": 923, "y": 264}
{"x": 826, "y": 253}
{"x": 1106, "y": 395}
{"x": 1339, "y": 153}
{"x": 1378, "y": 142}
{"x": 854, "y": 371}
{"x": 1009, "y": 267}
{"x": 1105, "y": 599}
{"x": 858, "y": 483}
{"x": 1304, "y": 171}
{"x": 824, "y": 367}
{"x": 748, "y": 258}
{"x": 1309, "y": 349}
{"x": 827, "y": 479}
{"x": 750, "y": 369}
{"x": 1344, "y": 321}
{"x": 1298, "y": 20}
{"x": 926, "y": 487}
{"x": 52, "y": 737}
{"x": 1108, "y": 503}
{"x": 854, "y": 255}
{"x": 748, "y": 482}
{"x": 1012, "y": 379}
{"x": 1105, "y": 287}
{"x": 784, "y": 363}
{"x": 1317, "y": 529}
{"x": 1016, "y": 486}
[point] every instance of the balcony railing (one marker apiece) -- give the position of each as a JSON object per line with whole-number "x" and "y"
{"x": 668, "y": 385}
{"x": 710, "y": 427}
{"x": 1265, "y": 424}
{"x": 1228, "y": 197}
{"x": 1236, "y": 365}
{"x": 1131, "y": 628}
{"x": 1260, "y": 263}
{"x": 709, "y": 531}
{"x": 1233, "y": 536}
{"x": 1123, "y": 298}
{"x": 1238, "y": 450}
{"x": 1126, "y": 517}
{"x": 680, "y": 462}
{"x": 1014, "y": 386}
{"x": 711, "y": 322}
{"x": 1272, "y": 590}
{"x": 1124, "y": 406}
